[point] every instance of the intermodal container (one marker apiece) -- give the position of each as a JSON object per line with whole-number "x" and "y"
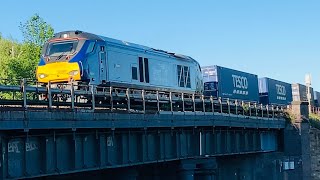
{"x": 300, "y": 93}
{"x": 228, "y": 83}
{"x": 274, "y": 92}
{"x": 316, "y": 98}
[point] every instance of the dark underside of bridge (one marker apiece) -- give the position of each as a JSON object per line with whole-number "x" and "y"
{"x": 50, "y": 143}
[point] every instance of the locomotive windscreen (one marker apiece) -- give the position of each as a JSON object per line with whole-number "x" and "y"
{"x": 61, "y": 48}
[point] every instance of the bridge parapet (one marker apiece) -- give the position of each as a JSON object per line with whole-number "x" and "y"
{"x": 10, "y": 120}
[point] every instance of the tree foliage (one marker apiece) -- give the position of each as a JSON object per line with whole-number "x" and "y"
{"x": 10, "y": 52}
{"x": 36, "y": 31}
{"x": 19, "y": 60}
{"x": 314, "y": 120}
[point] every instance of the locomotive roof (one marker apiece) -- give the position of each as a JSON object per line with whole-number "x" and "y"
{"x": 146, "y": 48}
{"x": 81, "y": 34}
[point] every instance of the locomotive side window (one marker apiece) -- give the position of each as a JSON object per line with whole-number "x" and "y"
{"x": 91, "y": 47}
{"x": 180, "y": 74}
{"x": 187, "y": 76}
{"x": 144, "y": 70}
{"x": 141, "y": 69}
{"x": 183, "y": 76}
{"x": 134, "y": 73}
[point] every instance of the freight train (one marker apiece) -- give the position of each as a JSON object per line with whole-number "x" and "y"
{"x": 89, "y": 59}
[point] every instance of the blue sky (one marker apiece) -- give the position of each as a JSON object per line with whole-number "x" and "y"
{"x": 278, "y": 39}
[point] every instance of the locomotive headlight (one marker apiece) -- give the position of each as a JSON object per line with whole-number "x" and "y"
{"x": 73, "y": 73}
{"x": 41, "y": 76}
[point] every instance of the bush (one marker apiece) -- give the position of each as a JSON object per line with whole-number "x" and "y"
{"x": 314, "y": 120}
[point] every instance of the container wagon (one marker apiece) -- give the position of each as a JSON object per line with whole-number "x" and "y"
{"x": 299, "y": 93}
{"x": 274, "y": 92}
{"x": 316, "y": 95}
{"x": 228, "y": 83}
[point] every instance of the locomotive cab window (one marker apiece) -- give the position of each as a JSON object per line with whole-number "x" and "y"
{"x": 58, "y": 48}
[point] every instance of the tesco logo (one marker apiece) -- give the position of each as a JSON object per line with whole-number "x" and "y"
{"x": 281, "y": 90}
{"x": 240, "y": 82}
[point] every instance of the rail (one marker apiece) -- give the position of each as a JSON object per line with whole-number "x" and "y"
{"x": 72, "y": 96}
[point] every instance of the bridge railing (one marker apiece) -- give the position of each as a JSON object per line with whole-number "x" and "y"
{"x": 72, "y": 96}
{"x": 315, "y": 110}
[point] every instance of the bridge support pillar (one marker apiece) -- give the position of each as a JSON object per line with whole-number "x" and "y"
{"x": 297, "y": 143}
{"x": 156, "y": 174}
{"x": 130, "y": 174}
{"x": 187, "y": 170}
{"x": 207, "y": 170}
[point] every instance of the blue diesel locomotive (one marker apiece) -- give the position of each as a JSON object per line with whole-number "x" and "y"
{"x": 96, "y": 60}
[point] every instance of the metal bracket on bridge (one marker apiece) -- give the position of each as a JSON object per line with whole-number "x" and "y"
{"x": 93, "y": 98}
{"x": 23, "y": 87}
{"x": 49, "y": 95}
{"x": 72, "y": 96}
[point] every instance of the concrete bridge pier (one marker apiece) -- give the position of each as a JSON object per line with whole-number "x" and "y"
{"x": 130, "y": 174}
{"x": 207, "y": 170}
{"x": 200, "y": 169}
{"x": 187, "y": 170}
{"x": 297, "y": 144}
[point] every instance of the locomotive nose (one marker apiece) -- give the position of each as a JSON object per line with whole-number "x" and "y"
{"x": 58, "y": 72}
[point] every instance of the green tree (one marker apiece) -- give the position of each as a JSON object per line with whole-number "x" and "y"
{"x": 10, "y": 52}
{"x": 19, "y": 60}
{"x": 11, "y": 66}
{"x": 36, "y": 31}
